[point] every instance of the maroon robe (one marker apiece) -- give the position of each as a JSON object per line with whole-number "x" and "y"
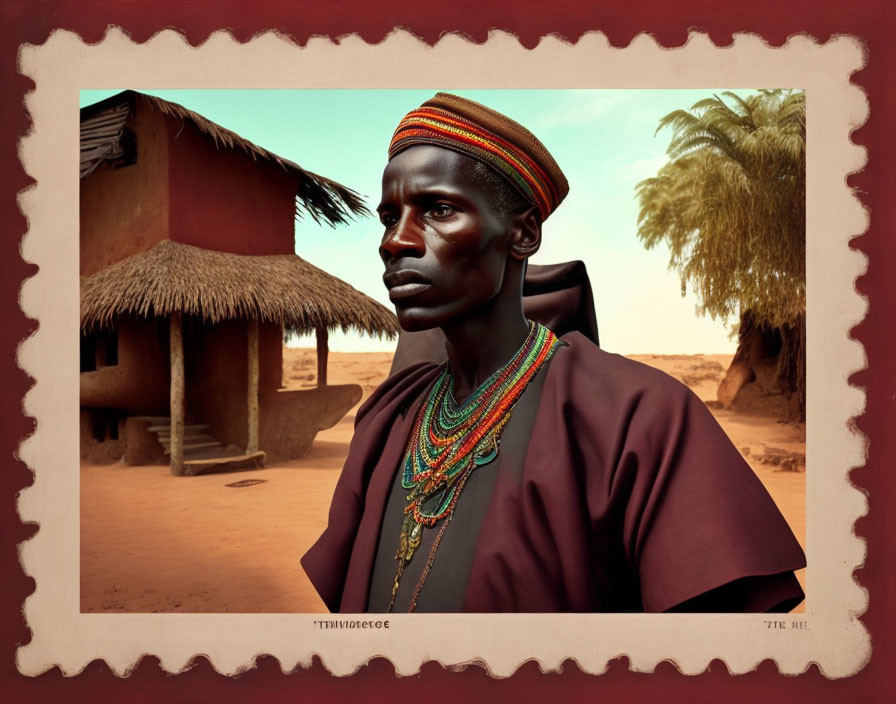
{"x": 630, "y": 498}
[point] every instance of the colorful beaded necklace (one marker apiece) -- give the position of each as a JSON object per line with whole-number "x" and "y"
{"x": 448, "y": 442}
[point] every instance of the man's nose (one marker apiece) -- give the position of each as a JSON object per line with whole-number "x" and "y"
{"x": 403, "y": 240}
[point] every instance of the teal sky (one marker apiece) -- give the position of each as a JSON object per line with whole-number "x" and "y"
{"x": 602, "y": 139}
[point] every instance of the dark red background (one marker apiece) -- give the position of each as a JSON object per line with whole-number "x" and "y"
{"x": 871, "y": 20}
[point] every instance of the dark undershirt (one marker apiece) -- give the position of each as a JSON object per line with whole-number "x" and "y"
{"x": 445, "y": 586}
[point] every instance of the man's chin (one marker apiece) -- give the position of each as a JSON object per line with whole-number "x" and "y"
{"x": 415, "y": 325}
{"x": 416, "y": 320}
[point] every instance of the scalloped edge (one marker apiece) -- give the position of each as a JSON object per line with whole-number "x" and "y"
{"x": 63, "y": 61}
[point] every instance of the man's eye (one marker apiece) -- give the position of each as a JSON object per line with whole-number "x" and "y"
{"x": 388, "y": 219}
{"x": 442, "y": 211}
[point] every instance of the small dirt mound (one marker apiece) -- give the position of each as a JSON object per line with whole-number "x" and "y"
{"x": 784, "y": 460}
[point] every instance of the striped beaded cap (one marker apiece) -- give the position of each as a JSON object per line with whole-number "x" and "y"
{"x": 473, "y": 129}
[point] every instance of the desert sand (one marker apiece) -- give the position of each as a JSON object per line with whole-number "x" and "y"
{"x": 151, "y": 542}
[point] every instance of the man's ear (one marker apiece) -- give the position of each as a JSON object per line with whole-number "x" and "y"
{"x": 525, "y": 234}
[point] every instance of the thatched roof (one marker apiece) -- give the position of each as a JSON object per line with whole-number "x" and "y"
{"x": 283, "y": 288}
{"x": 103, "y": 130}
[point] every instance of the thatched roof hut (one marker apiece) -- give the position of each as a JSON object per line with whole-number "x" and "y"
{"x": 105, "y": 137}
{"x": 182, "y": 219}
{"x": 215, "y": 286}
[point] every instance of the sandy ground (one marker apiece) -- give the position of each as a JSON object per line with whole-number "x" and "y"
{"x": 151, "y": 542}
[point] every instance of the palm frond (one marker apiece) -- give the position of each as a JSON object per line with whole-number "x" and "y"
{"x": 731, "y": 204}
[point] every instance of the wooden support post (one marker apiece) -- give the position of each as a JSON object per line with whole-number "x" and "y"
{"x": 322, "y": 352}
{"x": 177, "y": 393}
{"x": 252, "y": 442}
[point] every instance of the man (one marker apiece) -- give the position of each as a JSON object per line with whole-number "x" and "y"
{"x": 529, "y": 473}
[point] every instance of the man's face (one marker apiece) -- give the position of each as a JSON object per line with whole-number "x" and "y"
{"x": 445, "y": 245}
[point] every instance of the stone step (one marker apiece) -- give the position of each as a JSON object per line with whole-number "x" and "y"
{"x": 166, "y": 429}
{"x": 165, "y": 441}
{"x": 195, "y": 446}
{"x": 214, "y": 452}
{"x": 252, "y": 460}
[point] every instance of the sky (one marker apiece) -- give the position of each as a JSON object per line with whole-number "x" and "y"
{"x": 603, "y": 140}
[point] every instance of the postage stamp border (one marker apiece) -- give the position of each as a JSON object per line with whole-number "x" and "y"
{"x": 65, "y": 638}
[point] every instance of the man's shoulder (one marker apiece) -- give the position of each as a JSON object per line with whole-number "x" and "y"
{"x": 596, "y": 373}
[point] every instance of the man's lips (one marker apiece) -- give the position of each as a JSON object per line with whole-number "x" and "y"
{"x": 405, "y": 283}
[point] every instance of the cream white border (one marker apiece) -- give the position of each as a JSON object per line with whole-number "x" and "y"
{"x": 62, "y": 636}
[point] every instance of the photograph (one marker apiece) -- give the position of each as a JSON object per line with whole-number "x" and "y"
{"x": 439, "y": 350}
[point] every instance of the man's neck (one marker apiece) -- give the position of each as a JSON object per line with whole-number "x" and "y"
{"x": 479, "y": 346}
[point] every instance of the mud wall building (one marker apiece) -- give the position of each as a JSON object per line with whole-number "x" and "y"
{"x": 190, "y": 280}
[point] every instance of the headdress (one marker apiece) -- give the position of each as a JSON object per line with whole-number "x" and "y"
{"x": 475, "y": 130}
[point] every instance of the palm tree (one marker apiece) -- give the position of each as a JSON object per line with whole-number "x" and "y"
{"x": 730, "y": 204}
